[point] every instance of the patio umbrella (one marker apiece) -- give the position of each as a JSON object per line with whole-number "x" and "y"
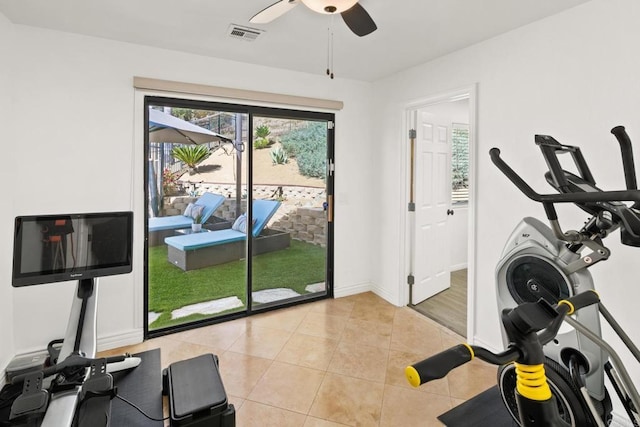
{"x": 154, "y": 202}
{"x": 164, "y": 127}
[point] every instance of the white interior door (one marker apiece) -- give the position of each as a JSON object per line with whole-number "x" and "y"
{"x": 431, "y": 243}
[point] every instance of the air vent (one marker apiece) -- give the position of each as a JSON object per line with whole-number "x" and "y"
{"x": 245, "y": 33}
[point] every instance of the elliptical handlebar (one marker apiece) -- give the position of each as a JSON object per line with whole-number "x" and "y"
{"x": 440, "y": 364}
{"x": 606, "y": 207}
{"x": 627, "y": 157}
{"x": 581, "y": 197}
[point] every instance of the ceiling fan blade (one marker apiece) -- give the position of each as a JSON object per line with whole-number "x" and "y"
{"x": 358, "y": 20}
{"x": 274, "y": 11}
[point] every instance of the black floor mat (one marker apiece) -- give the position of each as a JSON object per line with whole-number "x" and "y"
{"x": 486, "y": 409}
{"x": 143, "y": 387}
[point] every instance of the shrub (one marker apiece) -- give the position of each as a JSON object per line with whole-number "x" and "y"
{"x": 309, "y": 146}
{"x": 312, "y": 162}
{"x": 279, "y": 156}
{"x": 169, "y": 182}
{"x": 191, "y": 155}
{"x": 260, "y": 143}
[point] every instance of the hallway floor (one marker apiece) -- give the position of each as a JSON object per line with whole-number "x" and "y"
{"x": 449, "y": 307}
{"x": 329, "y": 363}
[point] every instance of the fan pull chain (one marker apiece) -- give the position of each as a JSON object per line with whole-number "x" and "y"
{"x": 332, "y": 55}
{"x": 328, "y": 51}
{"x": 330, "y": 48}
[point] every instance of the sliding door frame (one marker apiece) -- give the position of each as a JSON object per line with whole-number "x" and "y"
{"x": 250, "y": 111}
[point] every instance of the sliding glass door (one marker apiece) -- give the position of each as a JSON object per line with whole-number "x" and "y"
{"x": 222, "y": 181}
{"x": 289, "y": 188}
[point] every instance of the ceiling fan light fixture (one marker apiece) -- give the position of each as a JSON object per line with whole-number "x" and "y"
{"x": 328, "y": 7}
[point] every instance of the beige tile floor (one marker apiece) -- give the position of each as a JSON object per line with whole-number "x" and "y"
{"x": 329, "y": 363}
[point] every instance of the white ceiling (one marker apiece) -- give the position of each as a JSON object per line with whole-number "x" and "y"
{"x": 410, "y": 32}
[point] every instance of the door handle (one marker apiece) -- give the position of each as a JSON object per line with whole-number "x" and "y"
{"x": 450, "y": 212}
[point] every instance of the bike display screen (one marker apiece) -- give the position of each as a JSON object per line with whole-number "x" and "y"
{"x": 54, "y": 248}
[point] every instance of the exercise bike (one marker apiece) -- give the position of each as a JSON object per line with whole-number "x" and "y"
{"x": 542, "y": 263}
{"x": 81, "y": 387}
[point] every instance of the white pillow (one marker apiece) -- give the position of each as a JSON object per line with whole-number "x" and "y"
{"x": 193, "y": 210}
{"x": 188, "y": 209}
{"x": 240, "y": 224}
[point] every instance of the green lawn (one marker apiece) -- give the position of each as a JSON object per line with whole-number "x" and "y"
{"x": 169, "y": 287}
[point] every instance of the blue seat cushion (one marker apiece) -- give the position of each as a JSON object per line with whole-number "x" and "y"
{"x": 210, "y": 201}
{"x": 263, "y": 210}
{"x": 190, "y": 242}
{"x": 169, "y": 222}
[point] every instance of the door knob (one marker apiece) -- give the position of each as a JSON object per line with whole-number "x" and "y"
{"x": 449, "y": 211}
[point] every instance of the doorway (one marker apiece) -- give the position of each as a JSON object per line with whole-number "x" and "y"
{"x": 440, "y": 208}
{"x": 239, "y": 211}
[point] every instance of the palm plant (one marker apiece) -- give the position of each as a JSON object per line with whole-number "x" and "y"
{"x": 191, "y": 155}
{"x": 262, "y": 131}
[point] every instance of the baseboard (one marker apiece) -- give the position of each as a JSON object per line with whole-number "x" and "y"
{"x": 457, "y": 267}
{"x": 120, "y": 340}
{"x": 384, "y": 294}
{"x": 345, "y": 291}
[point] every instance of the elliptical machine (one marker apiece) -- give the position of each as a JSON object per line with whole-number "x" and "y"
{"x": 545, "y": 262}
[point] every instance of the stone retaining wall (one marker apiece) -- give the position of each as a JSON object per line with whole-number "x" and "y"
{"x": 303, "y": 195}
{"x": 306, "y": 224}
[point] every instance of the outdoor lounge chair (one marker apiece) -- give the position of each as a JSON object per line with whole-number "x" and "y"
{"x": 164, "y": 226}
{"x": 198, "y": 250}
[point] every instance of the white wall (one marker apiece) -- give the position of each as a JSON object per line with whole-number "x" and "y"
{"x": 453, "y": 111}
{"x": 574, "y": 76}
{"x": 77, "y": 113}
{"x": 8, "y": 183}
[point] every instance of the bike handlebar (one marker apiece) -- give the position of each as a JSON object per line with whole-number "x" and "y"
{"x": 72, "y": 362}
{"x": 582, "y": 197}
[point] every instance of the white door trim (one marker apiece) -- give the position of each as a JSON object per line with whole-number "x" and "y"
{"x": 405, "y": 240}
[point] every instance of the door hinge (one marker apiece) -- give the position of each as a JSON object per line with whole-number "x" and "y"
{"x": 331, "y": 167}
{"x": 412, "y": 134}
{"x": 410, "y": 279}
{"x": 412, "y": 207}
{"x": 330, "y": 125}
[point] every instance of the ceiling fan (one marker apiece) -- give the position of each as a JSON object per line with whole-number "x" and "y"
{"x": 353, "y": 14}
